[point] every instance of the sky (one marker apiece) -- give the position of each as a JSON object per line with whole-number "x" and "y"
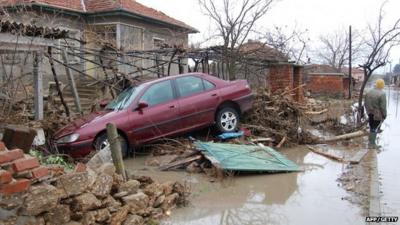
{"x": 319, "y": 17}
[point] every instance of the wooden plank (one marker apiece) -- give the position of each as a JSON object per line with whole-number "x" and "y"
{"x": 356, "y": 158}
{"x": 320, "y": 152}
{"x": 345, "y": 136}
{"x": 180, "y": 162}
{"x": 38, "y": 83}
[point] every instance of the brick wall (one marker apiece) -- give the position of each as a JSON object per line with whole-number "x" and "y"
{"x": 298, "y": 82}
{"x": 323, "y": 84}
{"x": 280, "y": 77}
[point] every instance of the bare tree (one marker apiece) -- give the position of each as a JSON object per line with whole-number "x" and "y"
{"x": 378, "y": 46}
{"x": 334, "y": 49}
{"x": 291, "y": 42}
{"x": 234, "y": 21}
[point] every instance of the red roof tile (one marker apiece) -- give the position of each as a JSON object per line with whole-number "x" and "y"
{"x": 103, "y": 6}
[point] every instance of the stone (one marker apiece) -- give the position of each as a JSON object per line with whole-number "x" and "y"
{"x": 153, "y": 162}
{"x": 102, "y": 187}
{"x": 131, "y": 186}
{"x": 167, "y": 187}
{"x": 193, "y": 168}
{"x": 7, "y": 214}
{"x": 153, "y": 189}
{"x": 73, "y": 223}
{"x": 41, "y": 198}
{"x": 137, "y": 201}
{"x": 102, "y": 215}
{"x": 85, "y": 202}
{"x": 74, "y": 183}
{"x": 119, "y": 217}
{"x": 159, "y": 201}
{"x": 59, "y": 215}
{"x": 89, "y": 218}
{"x": 134, "y": 220}
{"x": 11, "y": 201}
{"x": 170, "y": 201}
{"x": 107, "y": 168}
{"x": 30, "y": 220}
{"x": 111, "y": 204}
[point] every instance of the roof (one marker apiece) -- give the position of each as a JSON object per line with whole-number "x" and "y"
{"x": 258, "y": 50}
{"x": 97, "y": 6}
{"x": 31, "y": 30}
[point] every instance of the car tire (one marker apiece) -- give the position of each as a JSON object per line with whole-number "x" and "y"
{"x": 227, "y": 120}
{"x": 101, "y": 142}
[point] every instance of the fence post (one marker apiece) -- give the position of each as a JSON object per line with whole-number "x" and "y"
{"x": 115, "y": 147}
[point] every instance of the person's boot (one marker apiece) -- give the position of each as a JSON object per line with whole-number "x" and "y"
{"x": 372, "y": 140}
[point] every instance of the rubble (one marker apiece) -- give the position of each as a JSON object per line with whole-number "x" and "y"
{"x": 88, "y": 197}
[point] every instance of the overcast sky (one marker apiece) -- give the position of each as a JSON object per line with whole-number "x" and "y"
{"x": 318, "y": 16}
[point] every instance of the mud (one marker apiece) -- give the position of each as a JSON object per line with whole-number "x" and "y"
{"x": 309, "y": 197}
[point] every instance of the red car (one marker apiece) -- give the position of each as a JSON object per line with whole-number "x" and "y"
{"x": 159, "y": 108}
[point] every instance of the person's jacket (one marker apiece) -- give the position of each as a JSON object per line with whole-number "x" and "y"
{"x": 375, "y": 104}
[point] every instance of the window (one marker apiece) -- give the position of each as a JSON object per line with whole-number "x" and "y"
{"x": 208, "y": 85}
{"x": 158, "y": 93}
{"x": 189, "y": 85}
{"x": 124, "y": 99}
{"x": 157, "y": 43}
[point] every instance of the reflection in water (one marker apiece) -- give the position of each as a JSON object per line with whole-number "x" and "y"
{"x": 309, "y": 197}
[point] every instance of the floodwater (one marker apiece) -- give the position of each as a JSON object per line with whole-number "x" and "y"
{"x": 309, "y": 197}
{"x": 389, "y": 157}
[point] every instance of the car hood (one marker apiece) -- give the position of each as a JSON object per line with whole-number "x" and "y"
{"x": 82, "y": 122}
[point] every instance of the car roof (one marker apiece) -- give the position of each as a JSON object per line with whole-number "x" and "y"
{"x": 177, "y": 76}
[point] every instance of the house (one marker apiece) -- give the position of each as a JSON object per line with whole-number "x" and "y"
{"x": 126, "y": 25}
{"x": 325, "y": 80}
{"x": 272, "y": 69}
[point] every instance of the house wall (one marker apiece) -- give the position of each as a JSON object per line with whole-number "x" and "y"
{"x": 280, "y": 77}
{"x": 323, "y": 84}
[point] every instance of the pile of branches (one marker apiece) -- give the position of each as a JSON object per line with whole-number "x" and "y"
{"x": 278, "y": 117}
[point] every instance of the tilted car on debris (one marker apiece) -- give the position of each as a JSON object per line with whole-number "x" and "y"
{"x": 163, "y": 107}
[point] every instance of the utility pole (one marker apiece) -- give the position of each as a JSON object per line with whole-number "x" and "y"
{"x": 350, "y": 63}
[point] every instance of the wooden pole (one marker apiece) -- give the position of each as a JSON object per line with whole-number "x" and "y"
{"x": 38, "y": 82}
{"x": 71, "y": 80}
{"x": 53, "y": 70}
{"x": 115, "y": 148}
{"x": 350, "y": 63}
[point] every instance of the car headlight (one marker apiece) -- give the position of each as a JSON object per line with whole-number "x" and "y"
{"x": 68, "y": 139}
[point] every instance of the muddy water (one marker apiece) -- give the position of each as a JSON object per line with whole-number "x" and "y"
{"x": 309, "y": 197}
{"x": 389, "y": 157}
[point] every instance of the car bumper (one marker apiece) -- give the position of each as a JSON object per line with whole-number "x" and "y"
{"x": 76, "y": 149}
{"x": 245, "y": 102}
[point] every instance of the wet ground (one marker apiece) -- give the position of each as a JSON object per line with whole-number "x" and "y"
{"x": 309, "y": 197}
{"x": 389, "y": 157}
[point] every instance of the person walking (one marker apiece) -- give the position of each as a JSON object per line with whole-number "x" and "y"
{"x": 375, "y": 105}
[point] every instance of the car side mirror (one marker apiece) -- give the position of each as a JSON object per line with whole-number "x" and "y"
{"x": 103, "y": 103}
{"x": 142, "y": 105}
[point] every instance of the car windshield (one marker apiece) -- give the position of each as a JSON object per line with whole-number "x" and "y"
{"x": 124, "y": 99}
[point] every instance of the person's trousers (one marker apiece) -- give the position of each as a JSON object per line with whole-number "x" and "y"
{"x": 373, "y": 124}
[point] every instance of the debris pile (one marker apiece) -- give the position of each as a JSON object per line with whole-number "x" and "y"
{"x": 278, "y": 117}
{"x": 33, "y": 194}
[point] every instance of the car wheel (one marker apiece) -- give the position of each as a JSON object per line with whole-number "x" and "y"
{"x": 227, "y": 120}
{"x": 101, "y": 142}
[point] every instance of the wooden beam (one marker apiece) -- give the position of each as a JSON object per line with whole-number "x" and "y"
{"x": 71, "y": 82}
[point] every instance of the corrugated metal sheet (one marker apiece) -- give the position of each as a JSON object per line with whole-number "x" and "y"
{"x": 246, "y": 157}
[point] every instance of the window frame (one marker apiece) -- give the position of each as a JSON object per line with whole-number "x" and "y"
{"x": 204, "y": 85}
{"x": 174, "y": 94}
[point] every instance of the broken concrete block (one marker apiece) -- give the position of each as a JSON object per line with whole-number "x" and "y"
{"x": 73, "y": 223}
{"x": 102, "y": 215}
{"x": 102, "y": 186}
{"x": 159, "y": 201}
{"x": 59, "y": 215}
{"x": 131, "y": 186}
{"x": 41, "y": 198}
{"x": 11, "y": 201}
{"x": 134, "y": 220}
{"x": 85, "y": 202}
{"x": 137, "y": 201}
{"x": 74, "y": 183}
{"x": 153, "y": 189}
{"x": 40, "y": 138}
{"x": 167, "y": 187}
{"x": 18, "y": 137}
{"x": 30, "y": 220}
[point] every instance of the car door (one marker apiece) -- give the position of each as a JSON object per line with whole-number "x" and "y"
{"x": 160, "y": 118}
{"x": 198, "y": 99}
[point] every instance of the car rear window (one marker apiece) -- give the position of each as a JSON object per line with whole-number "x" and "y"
{"x": 189, "y": 85}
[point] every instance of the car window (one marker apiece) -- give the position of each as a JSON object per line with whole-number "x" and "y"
{"x": 208, "y": 85}
{"x": 189, "y": 85}
{"x": 158, "y": 93}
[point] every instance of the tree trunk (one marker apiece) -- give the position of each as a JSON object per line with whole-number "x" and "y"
{"x": 361, "y": 96}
